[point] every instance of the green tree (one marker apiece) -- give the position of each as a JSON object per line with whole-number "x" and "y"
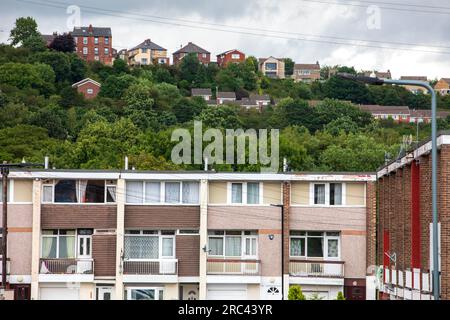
{"x": 295, "y": 293}
{"x": 23, "y": 76}
{"x": 120, "y": 66}
{"x": 288, "y": 66}
{"x": 343, "y": 89}
{"x": 25, "y": 30}
{"x": 225, "y": 117}
{"x": 59, "y": 62}
{"x": 115, "y": 86}
{"x": 52, "y": 119}
{"x": 189, "y": 67}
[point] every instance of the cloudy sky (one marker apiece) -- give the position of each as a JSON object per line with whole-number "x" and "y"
{"x": 400, "y": 35}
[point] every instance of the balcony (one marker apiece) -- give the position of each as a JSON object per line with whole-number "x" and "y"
{"x": 66, "y": 266}
{"x": 233, "y": 267}
{"x": 320, "y": 269}
{"x": 151, "y": 267}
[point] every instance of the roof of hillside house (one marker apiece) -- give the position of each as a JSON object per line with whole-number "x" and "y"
{"x": 307, "y": 66}
{"x": 91, "y": 31}
{"x": 378, "y": 74}
{"x": 79, "y": 83}
{"x": 246, "y": 102}
{"x": 377, "y": 109}
{"x": 48, "y": 38}
{"x": 148, "y": 44}
{"x": 201, "y": 92}
{"x": 446, "y": 80}
{"x": 419, "y": 78}
{"x": 262, "y": 60}
{"x": 191, "y": 48}
{"x": 229, "y": 51}
{"x": 426, "y": 113}
{"x": 226, "y": 95}
{"x": 259, "y": 97}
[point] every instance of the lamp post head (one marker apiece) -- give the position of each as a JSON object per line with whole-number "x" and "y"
{"x": 363, "y": 79}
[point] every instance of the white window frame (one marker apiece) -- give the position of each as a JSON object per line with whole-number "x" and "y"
{"x": 243, "y": 237}
{"x": 96, "y": 51}
{"x": 96, "y": 40}
{"x": 160, "y": 236}
{"x": 158, "y": 291}
{"x": 244, "y": 193}
{"x": 52, "y": 184}
{"x": 325, "y": 238}
{"x": 85, "y": 40}
{"x": 162, "y": 193}
{"x": 327, "y": 194}
{"x": 57, "y": 236}
{"x": 90, "y": 91}
{"x": 85, "y": 50}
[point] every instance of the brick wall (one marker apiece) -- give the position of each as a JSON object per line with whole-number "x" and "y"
{"x": 371, "y": 223}
{"x": 286, "y": 208}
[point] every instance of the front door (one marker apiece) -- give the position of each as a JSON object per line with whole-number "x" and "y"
{"x": 84, "y": 246}
{"x": 105, "y": 293}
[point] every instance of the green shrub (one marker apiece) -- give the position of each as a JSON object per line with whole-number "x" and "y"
{"x": 295, "y": 293}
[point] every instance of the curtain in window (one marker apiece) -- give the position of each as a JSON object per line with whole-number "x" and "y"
{"x": 167, "y": 247}
{"x": 47, "y": 194}
{"x": 215, "y": 246}
{"x": 152, "y": 192}
{"x": 134, "y": 191}
{"x": 141, "y": 247}
{"x": 232, "y": 246}
{"x": 49, "y": 247}
{"x": 66, "y": 247}
{"x": 333, "y": 248}
{"x": 335, "y": 194}
{"x": 190, "y": 192}
{"x": 81, "y": 185}
{"x": 252, "y": 193}
{"x": 319, "y": 194}
{"x": 297, "y": 247}
{"x": 111, "y": 194}
{"x": 236, "y": 193}
{"x": 172, "y": 192}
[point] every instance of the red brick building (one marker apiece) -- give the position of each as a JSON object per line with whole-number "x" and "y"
{"x": 93, "y": 44}
{"x": 404, "y": 223}
{"x": 203, "y": 56}
{"x": 226, "y": 57}
{"x": 88, "y": 88}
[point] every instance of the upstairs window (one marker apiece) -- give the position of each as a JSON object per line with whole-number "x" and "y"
{"x": 96, "y": 51}
{"x": 85, "y": 50}
{"x": 106, "y": 40}
{"x": 96, "y": 40}
{"x": 170, "y": 192}
{"x": 85, "y": 40}
{"x": 327, "y": 194}
{"x": 245, "y": 193}
{"x": 149, "y": 244}
{"x": 315, "y": 244}
{"x": 106, "y": 51}
{"x": 79, "y": 191}
{"x": 235, "y": 56}
{"x": 58, "y": 244}
{"x": 233, "y": 243}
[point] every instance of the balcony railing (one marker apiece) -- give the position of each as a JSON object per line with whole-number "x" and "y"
{"x": 309, "y": 268}
{"x": 151, "y": 267}
{"x": 66, "y": 266}
{"x": 7, "y": 266}
{"x": 233, "y": 267}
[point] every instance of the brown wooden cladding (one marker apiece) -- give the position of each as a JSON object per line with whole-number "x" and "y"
{"x": 160, "y": 217}
{"x": 188, "y": 255}
{"x": 60, "y": 216}
{"x": 104, "y": 255}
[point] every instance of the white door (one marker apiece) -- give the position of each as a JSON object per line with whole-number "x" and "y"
{"x": 59, "y": 294}
{"x": 84, "y": 247}
{"x": 227, "y": 292}
{"x": 105, "y": 293}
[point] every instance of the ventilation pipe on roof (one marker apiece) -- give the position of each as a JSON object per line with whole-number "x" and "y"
{"x": 285, "y": 166}
{"x": 206, "y": 164}
{"x": 126, "y": 163}
{"x": 46, "y": 162}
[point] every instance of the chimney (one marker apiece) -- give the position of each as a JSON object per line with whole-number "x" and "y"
{"x": 90, "y": 29}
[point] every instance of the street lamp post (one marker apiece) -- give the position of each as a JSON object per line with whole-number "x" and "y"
{"x": 282, "y": 247}
{"x": 426, "y": 85}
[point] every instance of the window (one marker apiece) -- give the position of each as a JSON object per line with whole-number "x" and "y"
{"x": 252, "y": 193}
{"x": 79, "y": 191}
{"x": 139, "y": 192}
{"x": 152, "y": 192}
{"x": 236, "y": 193}
{"x": 144, "y": 61}
{"x": 84, "y": 243}
{"x": 106, "y": 40}
{"x": 106, "y": 51}
{"x": 328, "y": 194}
{"x": 149, "y": 244}
{"x": 335, "y": 194}
{"x": 314, "y": 244}
{"x": 90, "y": 91}
{"x": 204, "y": 55}
{"x": 232, "y": 243}
{"x": 235, "y": 56}
{"x": 271, "y": 66}
{"x": 58, "y": 244}
{"x": 144, "y": 294}
{"x": 96, "y": 51}
{"x": 85, "y": 40}
{"x": 319, "y": 194}
{"x": 191, "y": 192}
{"x": 96, "y": 40}
{"x": 172, "y": 192}
{"x": 144, "y": 50}
{"x": 85, "y": 50}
